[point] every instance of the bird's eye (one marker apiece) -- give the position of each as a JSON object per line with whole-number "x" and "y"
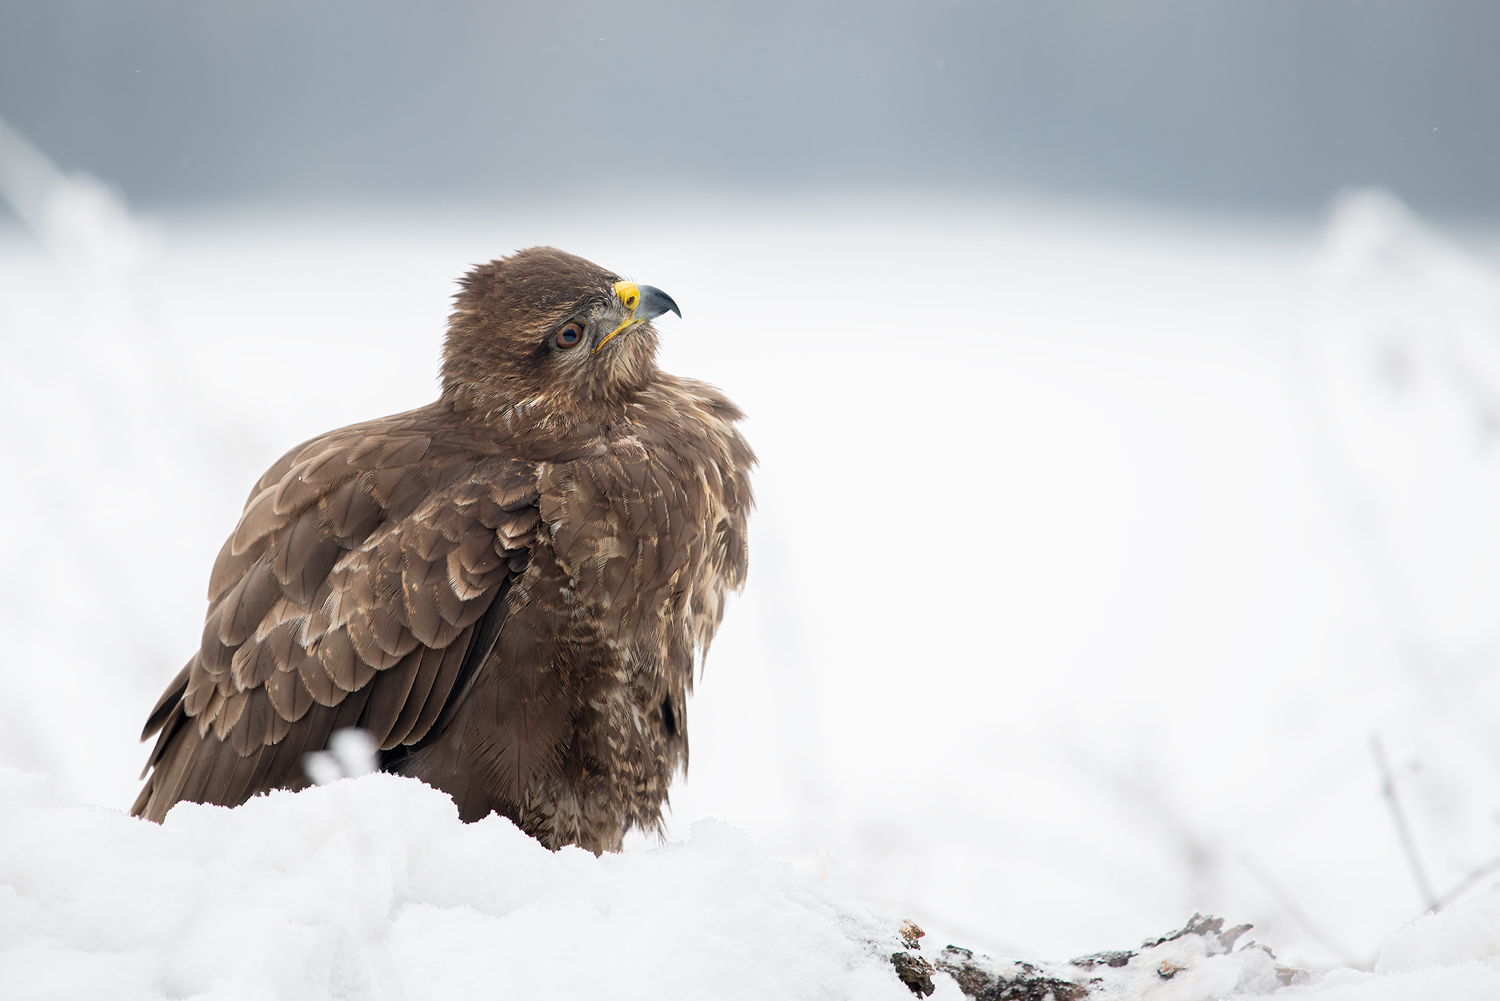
{"x": 570, "y": 335}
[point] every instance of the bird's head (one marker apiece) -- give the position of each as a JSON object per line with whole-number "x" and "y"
{"x": 546, "y": 327}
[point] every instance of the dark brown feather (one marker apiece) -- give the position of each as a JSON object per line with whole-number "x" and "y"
{"x": 167, "y": 704}
{"x": 340, "y": 662}
{"x": 204, "y": 756}
{"x": 252, "y": 665}
{"x": 281, "y": 640}
{"x": 288, "y": 695}
{"x": 389, "y": 692}
{"x": 351, "y": 511}
{"x": 200, "y": 690}
{"x": 246, "y": 604}
{"x": 257, "y": 778}
{"x": 213, "y": 656}
{"x": 167, "y": 779}
{"x": 221, "y": 775}
{"x": 428, "y": 664}
{"x": 444, "y": 681}
{"x": 230, "y": 567}
{"x": 238, "y": 788}
{"x": 420, "y": 581}
{"x": 318, "y": 682}
{"x": 302, "y": 553}
{"x": 256, "y": 724}
{"x": 259, "y": 520}
{"x": 229, "y": 714}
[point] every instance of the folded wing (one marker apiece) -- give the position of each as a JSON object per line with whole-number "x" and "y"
{"x": 349, "y": 594}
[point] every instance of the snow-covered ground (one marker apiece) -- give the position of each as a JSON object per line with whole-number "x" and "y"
{"x": 372, "y": 888}
{"x": 377, "y": 890}
{"x": 1099, "y": 558}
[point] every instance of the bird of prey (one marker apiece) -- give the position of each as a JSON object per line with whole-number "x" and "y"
{"x": 508, "y": 587}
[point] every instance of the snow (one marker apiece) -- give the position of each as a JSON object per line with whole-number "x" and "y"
{"x": 372, "y": 888}
{"x": 1211, "y": 500}
{"x": 305, "y": 896}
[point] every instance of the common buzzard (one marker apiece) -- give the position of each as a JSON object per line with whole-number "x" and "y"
{"x": 507, "y": 587}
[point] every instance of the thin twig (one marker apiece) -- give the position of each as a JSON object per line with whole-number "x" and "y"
{"x": 1297, "y": 914}
{"x": 1467, "y": 883}
{"x": 1403, "y": 830}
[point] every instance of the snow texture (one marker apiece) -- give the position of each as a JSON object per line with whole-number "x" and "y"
{"x": 372, "y": 888}
{"x": 309, "y": 895}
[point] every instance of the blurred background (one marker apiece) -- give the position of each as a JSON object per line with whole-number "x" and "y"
{"x": 1268, "y": 105}
{"x": 1125, "y": 375}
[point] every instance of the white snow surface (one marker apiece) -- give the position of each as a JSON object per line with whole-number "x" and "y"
{"x": 372, "y": 888}
{"x": 1094, "y": 547}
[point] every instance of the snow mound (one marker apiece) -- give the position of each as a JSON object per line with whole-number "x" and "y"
{"x": 372, "y": 887}
{"x": 1453, "y": 955}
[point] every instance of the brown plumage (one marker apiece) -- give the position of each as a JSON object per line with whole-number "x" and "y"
{"x": 507, "y": 587}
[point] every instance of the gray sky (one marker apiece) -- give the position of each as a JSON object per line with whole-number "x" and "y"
{"x": 1258, "y": 104}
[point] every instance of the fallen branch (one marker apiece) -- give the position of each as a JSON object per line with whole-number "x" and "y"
{"x": 1200, "y": 956}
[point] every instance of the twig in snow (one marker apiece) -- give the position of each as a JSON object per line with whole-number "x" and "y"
{"x": 1313, "y": 930}
{"x": 1467, "y": 883}
{"x": 1403, "y": 830}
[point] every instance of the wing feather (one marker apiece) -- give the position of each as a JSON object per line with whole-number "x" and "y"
{"x": 229, "y": 714}
{"x": 167, "y": 704}
{"x": 246, "y": 605}
{"x": 328, "y": 466}
{"x": 253, "y": 664}
{"x": 449, "y": 661}
{"x": 346, "y": 594}
{"x": 389, "y": 694}
{"x": 221, "y": 775}
{"x": 318, "y": 682}
{"x": 168, "y": 788}
{"x": 213, "y": 656}
{"x": 201, "y": 688}
{"x": 348, "y": 670}
{"x": 263, "y": 760}
{"x": 202, "y": 760}
{"x": 259, "y": 520}
{"x": 366, "y": 644}
{"x": 301, "y": 556}
{"x": 256, "y": 724}
{"x": 350, "y": 510}
{"x": 288, "y": 695}
{"x": 428, "y": 665}
{"x": 230, "y": 567}
{"x": 237, "y": 788}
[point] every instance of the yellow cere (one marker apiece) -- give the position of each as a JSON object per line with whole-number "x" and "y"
{"x": 628, "y": 293}
{"x": 630, "y": 296}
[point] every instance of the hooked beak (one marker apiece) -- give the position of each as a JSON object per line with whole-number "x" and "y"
{"x": 644, "y": 302}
